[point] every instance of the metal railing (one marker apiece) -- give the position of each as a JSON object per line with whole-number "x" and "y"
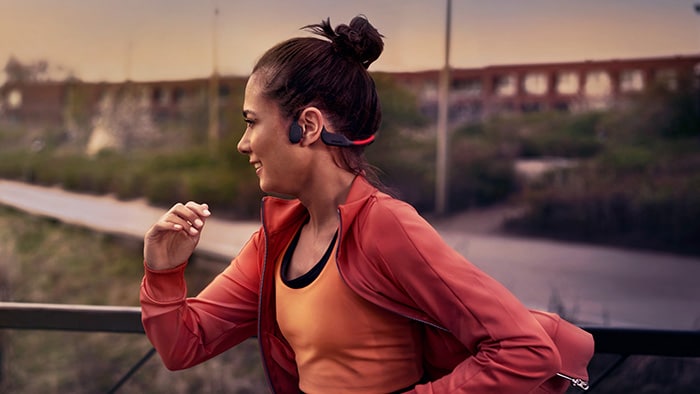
{"x": 119, "y": 319}
{"x": 64, "y": 317}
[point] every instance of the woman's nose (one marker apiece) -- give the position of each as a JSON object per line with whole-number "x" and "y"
{"x": 244, "y": 145}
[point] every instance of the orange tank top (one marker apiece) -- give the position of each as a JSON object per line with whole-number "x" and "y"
{"x": 343, "y": 343}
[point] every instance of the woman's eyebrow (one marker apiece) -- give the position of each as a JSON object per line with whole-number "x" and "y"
{"x": 247, "y": 113}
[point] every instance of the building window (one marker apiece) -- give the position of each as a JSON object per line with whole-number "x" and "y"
{"x": 597, "y": 84}
{"x": 224, "y": 91}
{"x": 567, "y": 82}
{"x": 470, "y": 87}
{"x": 14, "y": 99}
{"x": 178, "y": 94}
{"x": 164, "y": 96}
{"x": 429, "y": 91}
{"x": 535, "y": 83}
{"x": 156, "y": 95}
{"x": 631, "y": 81}
{"x": 667, "y": 78}
{"x": 505, "y": 85}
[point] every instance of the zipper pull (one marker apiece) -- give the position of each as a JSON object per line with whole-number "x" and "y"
{"x": 576, "y": 382}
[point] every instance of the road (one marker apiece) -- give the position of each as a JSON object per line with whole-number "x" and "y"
{"x": 595, "y": 285}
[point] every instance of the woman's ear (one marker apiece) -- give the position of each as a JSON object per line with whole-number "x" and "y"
{"x": 311, "y": 122}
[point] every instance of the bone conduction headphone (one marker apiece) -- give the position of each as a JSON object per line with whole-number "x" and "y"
{"x": 328, "y": 138}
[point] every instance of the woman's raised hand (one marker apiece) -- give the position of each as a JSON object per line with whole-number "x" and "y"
{"x": 172, "y": 239}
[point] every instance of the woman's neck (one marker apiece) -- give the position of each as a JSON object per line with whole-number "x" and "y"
{"x": 322, "y": 199}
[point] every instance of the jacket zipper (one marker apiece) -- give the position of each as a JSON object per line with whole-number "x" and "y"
{"x": 260, "y": 298}
{"x": 576, "y": 382}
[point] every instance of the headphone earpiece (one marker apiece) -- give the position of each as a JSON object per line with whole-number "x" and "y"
{"x": 295, "y": 133}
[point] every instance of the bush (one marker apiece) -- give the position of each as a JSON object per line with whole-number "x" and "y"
{"x": 408, "y": 172}
{"x": 627, "y": 159}
{"x": 14, "y": 165}
{"x": 222, "y": 179}
{"x": 479, "y": 174}
{"x": 630, "y": 202}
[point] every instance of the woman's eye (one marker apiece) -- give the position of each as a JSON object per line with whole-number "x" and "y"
{"x": 249, "y": 122}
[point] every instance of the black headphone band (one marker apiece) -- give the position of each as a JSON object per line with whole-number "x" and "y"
{"x": 296, "y": 133}
{"x": 335, "y": 139}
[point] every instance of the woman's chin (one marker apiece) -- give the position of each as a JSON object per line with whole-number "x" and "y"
{"x": 276, "y": 191}
{"x": 266, "y": 187}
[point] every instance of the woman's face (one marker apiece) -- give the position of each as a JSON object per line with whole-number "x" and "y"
{"x": 266, "y": 142}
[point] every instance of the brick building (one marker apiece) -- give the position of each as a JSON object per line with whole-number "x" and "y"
{"x": 474, "y": 92}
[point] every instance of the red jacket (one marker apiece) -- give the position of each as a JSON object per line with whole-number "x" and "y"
{"x": 478, "y": 337}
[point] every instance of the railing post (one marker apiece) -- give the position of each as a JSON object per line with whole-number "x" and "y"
{"x": 2, "y": 347}
{"x": 132, "y": 371}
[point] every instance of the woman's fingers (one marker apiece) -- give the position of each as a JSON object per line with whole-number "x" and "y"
{"x": 201, "y": 209}
{"x": 168, "y": 224}
{"x": 189, "y": 217}
{"x": 172, "y": 239}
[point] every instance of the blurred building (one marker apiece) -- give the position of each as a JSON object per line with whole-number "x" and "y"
{"x": 51, "y": 101}
{"x": 475, "y": 93}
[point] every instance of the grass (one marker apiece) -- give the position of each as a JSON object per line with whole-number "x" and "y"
{"x": 42, "y": 260}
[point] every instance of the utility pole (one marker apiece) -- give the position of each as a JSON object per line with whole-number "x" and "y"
{"x": 441, "y": 167}
{"x": 214, "y": 87}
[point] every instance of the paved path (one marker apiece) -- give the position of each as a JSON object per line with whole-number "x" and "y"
{"x": 599, "y": 285}
{"x": 221, "y": 239}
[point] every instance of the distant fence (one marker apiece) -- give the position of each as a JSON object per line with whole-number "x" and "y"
{"x": 119, "y": 319}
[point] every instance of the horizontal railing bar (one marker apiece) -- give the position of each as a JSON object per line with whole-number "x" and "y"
{"x": 670, "y": 343}
{"x": 124, "y": 319}
{"x": 33, "y": 316}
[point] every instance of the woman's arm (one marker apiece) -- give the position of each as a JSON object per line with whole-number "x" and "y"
{"x": 188, "y": 331}
{"x": 511, "y": 351}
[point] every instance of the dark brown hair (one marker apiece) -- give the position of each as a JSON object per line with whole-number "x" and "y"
{"x": 329, "y": 73}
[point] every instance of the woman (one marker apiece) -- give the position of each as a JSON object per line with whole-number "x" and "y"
{"x": 346, "y": 288}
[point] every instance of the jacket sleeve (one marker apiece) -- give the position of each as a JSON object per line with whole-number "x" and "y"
{"x": 187, "y": 331}
{"x": 510, "y": 351}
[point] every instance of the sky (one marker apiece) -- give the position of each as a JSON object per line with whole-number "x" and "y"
{"x": 114, "y": 40}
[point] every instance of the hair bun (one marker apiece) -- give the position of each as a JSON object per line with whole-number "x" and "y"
{"x": 359, "y": 40}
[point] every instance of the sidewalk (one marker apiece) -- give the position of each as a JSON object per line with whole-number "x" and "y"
{"x": 486, "y": 221}
{"x": 221, "y": 239}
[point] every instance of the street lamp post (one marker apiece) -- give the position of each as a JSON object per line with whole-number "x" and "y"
{"x": 441, "y": 167}
{"x": 214, "y": 88}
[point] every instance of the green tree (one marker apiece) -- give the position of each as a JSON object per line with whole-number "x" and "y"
{"x": 16, "y": 71}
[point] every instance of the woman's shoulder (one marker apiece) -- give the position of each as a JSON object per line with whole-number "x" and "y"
{"x": 389, "y": 217}
{"x": 384, "y": 207}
